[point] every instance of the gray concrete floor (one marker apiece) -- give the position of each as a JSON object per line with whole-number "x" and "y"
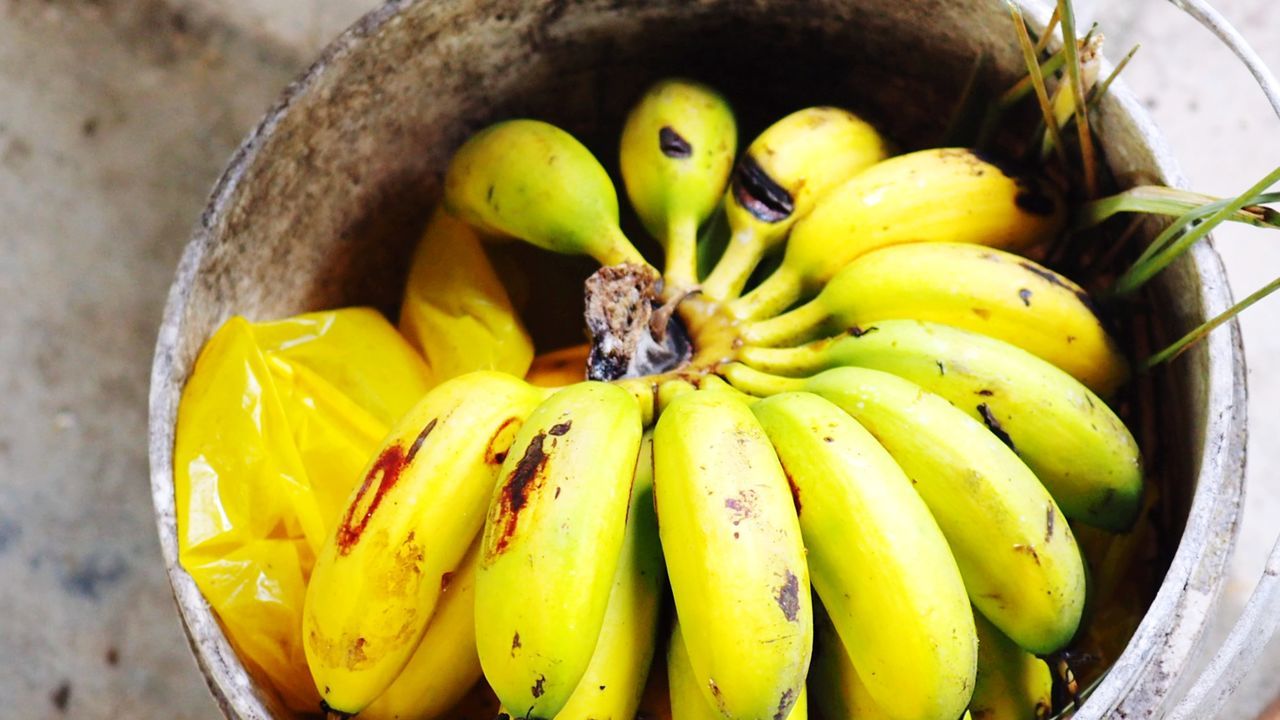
{"x": 115, "y": 118}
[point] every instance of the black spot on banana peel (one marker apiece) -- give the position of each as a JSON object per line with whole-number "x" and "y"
{"x": 785, "y": 703}
{"x": 672, "y": 144}
{"x": 523, "y": 481}
{"x": 537, "y": 688}
{"x": 417, "y": 442}
{"x": 1025, "y": 296}
{"x": 788, "y": 596}
{"x": 561, "y": 429}
{"x": 989, "y": 419}
{"x": 760, "y": 194}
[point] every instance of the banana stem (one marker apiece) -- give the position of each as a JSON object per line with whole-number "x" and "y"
{"x": 774, "y": 295}
{"x": 789, "y": 328}
{"x": 1160, "y": 200}
{"x": 754, "y": 382}
{"x": 1191, "y": 338}
{"x": 620, "y": 250}
{"x": 681, "y": 272}
{"x": 734, "y": 267}
{"x": 803, "y": 360}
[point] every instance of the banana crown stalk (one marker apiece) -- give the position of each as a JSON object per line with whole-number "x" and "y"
{"x": 552, "y": 543}
{"x": 406, "y": 527}
{"x": 1071, "y": 440}
{"x": 734, "y": 555}
{"x": 892, "y": 563}
{"x": 972, "y": 287}
{"x": 780, "y": 177}
{"x": 677, "y": 151}
{"x": 531, "y": 180}
{"x": 939, "y": 195}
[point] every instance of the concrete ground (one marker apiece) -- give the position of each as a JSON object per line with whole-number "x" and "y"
{"x": 115, "y": 118}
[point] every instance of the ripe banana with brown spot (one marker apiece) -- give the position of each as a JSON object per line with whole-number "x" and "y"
{"x": 939, "y": 195}
{"x": 531, "y": 180}
{"x": 780, "y": 177}
{"x": 971, "y": 287}
{"x": 1015, "y": 551}
{"x": 676, "y": 154}
{"x": 1075, "y": 444}
{"x": 687, "y": 699}
{"x": 444, "y": 667}
{"x": 407, "y": 526}
{"x": 734, "y": 555}
{"x": 552, "y": 543}
{"x": 878, "y": 561}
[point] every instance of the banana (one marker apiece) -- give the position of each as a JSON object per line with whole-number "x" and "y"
{"x": 940, "y": 195}
{"x": 1070, "y": 439}
{"x": 887, "y": 579}
{"x": 565, "y": 366}
{"x": 837, "y": 690}
{"x": 967, "y": 286}
{"x": 615, "y": 680}
{"x": 1016, "y": 553}
{"x": 455, "y": 309}
{"x": 552, "y": 543}
{"x": 687, "y": 699}
{"x": 531, "y": 180}
{"x": 779, "y": 178}
{"x": 377, "y": 579}
{"x": 734, "y": 555}
{"x": 444, "y": 667}
{"x": 676, "y": 153}
{"x": 1012, "y": 684}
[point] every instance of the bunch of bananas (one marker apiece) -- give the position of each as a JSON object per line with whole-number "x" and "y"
{"x": 903, "y": 417}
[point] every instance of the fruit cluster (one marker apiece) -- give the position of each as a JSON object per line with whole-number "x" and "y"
{"x": 903, "y": 416}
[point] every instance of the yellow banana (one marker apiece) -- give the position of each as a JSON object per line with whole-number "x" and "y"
{"x": 565, "y": 366}
{"x": 887, "y": 577}
{"x": 779, "y": 178}
{"x": 1016, "y": 553}
{"x": 455, "y": 309}
{"x": 966, "y": 286}
{"x": 531, "y": 180}
{"x": 940, "y": 195}
{"x": 837, "y": 690}
{"x": 615, "y": 680}
{"x": 378, "y": 577}
{"x": 677, "y": 150}
{"x": 687, "y": 699}
{"x": 552, "y": 542}
{"x": 734, "y": 555}
{"x": 444, "y": 667}
{"x": 1074, "y": 443}
{"x": 1012, "y": 683}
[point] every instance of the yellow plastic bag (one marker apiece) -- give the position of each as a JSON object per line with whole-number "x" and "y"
{"x": 456, "y": 310}
{"x": 275, "y": 426}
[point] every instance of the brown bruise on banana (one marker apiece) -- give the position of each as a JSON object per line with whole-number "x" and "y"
{"x": 993, "y": 424}
{"x": 788, "y": 596}
{"x": 526, "y": 478}
{"x": 382, "y": 476}
{"x": 759, "y": 194}
{"x": 673, "y": 145}
{"x": 785, "y": 704}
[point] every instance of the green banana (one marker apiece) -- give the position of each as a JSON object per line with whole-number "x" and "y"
{"x": 531, "y": 180}
{"x": 444, "y": 667}
{"x": 887, "y": 577}
{"x": 940, "y": 195}
{"x": 734, "y": 555}
{"x": 615, "y": 680}
{"x": 377, "y": 579}
{"x": 780, "y": 177}
{"x": 1074, "y": 443}
{"x": 552, "y": 543}
{"x": 687, "y": 699}
{"x": 1016, "y": 553}
{"x": 1012, "y": 684}
{"x": 676, "y": 154}
{"x": 967, "y": 286}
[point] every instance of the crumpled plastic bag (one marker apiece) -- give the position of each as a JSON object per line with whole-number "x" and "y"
{"x": 456, "y": 310}
{"x": 275, "y": 426}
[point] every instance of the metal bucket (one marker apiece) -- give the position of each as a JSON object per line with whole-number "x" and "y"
{"x": 321, "y": 205}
